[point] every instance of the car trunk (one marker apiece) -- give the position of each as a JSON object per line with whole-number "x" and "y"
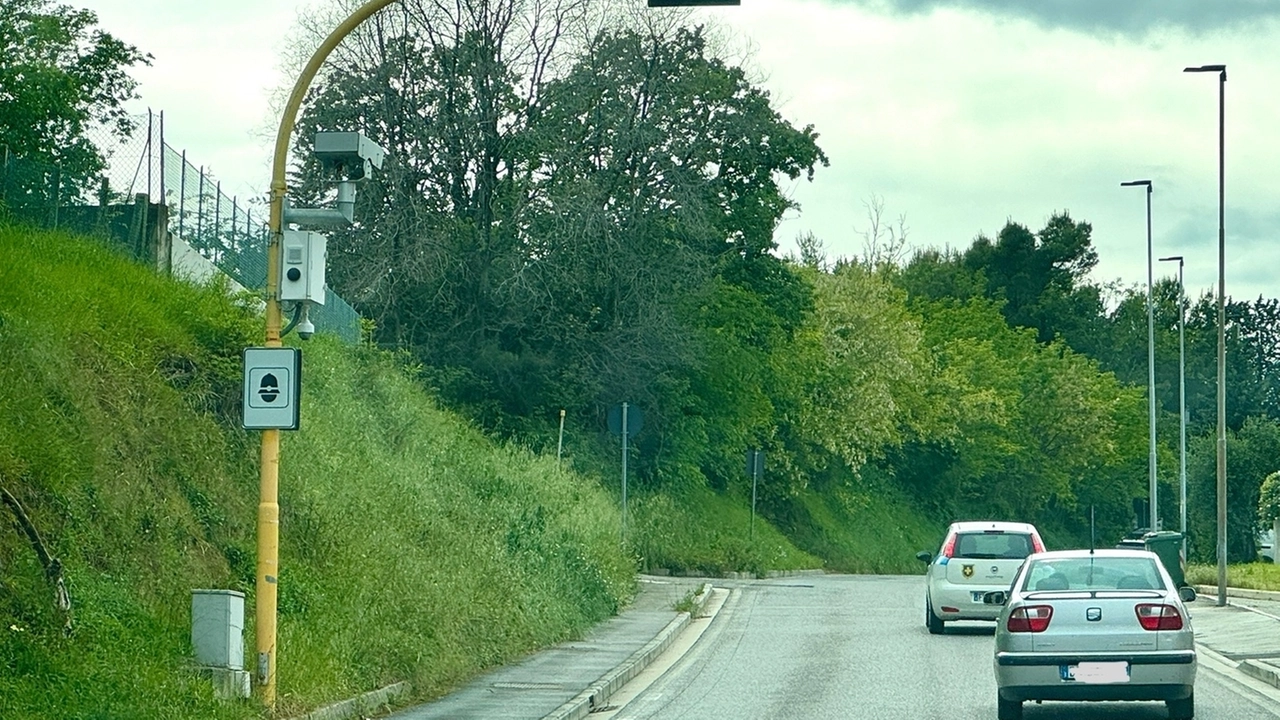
{"x": 1082, "y": 623}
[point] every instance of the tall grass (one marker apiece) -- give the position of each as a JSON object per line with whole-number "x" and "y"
{"x": 700, "y": 531}
{"x": 1252, "y": 576}
{"x": 864, "y": 531}
{"x": 412, "y": 548}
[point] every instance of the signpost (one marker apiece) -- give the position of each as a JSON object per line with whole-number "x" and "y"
{"x": 625, "y": 420}
{"x": 755, "y": 468}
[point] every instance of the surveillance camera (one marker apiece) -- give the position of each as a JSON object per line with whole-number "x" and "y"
{"x": 348, "y": 155}
{"x": 306, "y": 329}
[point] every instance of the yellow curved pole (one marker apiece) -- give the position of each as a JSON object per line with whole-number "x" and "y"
{"x": 268, "y": 504}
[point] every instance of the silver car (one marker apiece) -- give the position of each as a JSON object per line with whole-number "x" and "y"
{"x": 975, "y": 558}
{"x": 1094, "y": 625}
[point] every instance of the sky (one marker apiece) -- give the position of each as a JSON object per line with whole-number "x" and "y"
{"x": 959, "y": 115}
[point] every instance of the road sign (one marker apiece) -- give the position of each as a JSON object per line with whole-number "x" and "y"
{"x": 635, "y": 419}
{"x": 272, "y": 386}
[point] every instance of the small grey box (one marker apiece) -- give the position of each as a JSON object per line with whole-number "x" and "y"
{"x": 217, "y": 628}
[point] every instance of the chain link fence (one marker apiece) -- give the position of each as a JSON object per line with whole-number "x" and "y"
{"x": 147, "y": 189}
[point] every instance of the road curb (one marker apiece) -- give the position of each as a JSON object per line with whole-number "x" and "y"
{"x": 1260, "y": 671}
{"x": 735, "y": 575}
{"x": 375, "y": 701}
{"x": 1242, "y": 593}
{"x": 597, "y": 695}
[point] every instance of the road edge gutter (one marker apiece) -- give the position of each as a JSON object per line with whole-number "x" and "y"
{"x": 597, "y": 695}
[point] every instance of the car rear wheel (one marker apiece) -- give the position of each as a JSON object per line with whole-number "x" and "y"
{"x": 1008, "y": 709}
{"x": 933, "y": 622}
{"x": 1184, "y": 709}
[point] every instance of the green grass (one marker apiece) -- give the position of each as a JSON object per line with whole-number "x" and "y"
{"x": 864, "y": 531}
{"x": 698, "y": 531}
{"x": 412, "y": 547}
{"x": 1253, "y": 576}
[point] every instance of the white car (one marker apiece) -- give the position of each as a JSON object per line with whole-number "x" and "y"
{"x": 975, "y": 558}
{"x": 1088, "y": 625}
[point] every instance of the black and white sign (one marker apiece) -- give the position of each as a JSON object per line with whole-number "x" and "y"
{"x": 272, "y": 384}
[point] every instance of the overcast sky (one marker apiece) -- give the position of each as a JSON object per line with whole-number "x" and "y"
{"x": 960, "y": 114}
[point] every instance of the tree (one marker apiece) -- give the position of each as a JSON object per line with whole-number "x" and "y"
{"x": 1252, "y": 454}
{"x": 547, "y": 242}
{"x": 1041, "y": 278}
{"x": 60, "y": 75}
{"x": 883, "y": 244}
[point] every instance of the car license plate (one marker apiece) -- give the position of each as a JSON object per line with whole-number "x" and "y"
{"x": 977, "y": 595}
{"x": 1095, "y": 672}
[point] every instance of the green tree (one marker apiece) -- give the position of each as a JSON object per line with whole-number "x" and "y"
{"x": 1041, "y": 278}
{"x": 1025, "y": 430}
{"x": 1252, "y": 454}
{"x": 60, "y": 75}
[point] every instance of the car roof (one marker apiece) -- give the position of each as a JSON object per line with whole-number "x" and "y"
{"x": 980, "y": 525}
{"x": 1098, "y": 553}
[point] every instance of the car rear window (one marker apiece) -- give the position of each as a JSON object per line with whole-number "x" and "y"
{"x": 1093, "y": 573}
{"x": 990, "y": 545}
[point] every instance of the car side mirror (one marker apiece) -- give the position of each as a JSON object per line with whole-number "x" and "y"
{"x": 924, "y": 557}
{"x": 1188, "y": 594}
{"x": 995, "y": 597}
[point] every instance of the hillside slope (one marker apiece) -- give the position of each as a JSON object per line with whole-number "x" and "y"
{"x": 411, "y": 546}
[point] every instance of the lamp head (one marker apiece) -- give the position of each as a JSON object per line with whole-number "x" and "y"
{"x": 1209, "y": 68}
{"x": 1171, "y": 258}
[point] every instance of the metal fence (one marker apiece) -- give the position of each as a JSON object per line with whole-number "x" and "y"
{"x": 144, "y": 169}
{"x": 43, "y": 195}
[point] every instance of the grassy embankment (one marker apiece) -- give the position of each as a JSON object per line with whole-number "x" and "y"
{"x": 412, "y": 548}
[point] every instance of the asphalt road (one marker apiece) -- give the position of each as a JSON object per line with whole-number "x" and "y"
{"x": 855, "y": 648}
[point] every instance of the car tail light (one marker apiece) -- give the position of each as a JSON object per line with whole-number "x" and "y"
{"x": 1033, "y": 618}
{"x": 1037, "y": 545}
{"x": 949, "y": 549}
{"x": 1158, "y": 617}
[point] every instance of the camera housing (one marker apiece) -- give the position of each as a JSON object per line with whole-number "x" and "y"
{"x": 348, "y": 155}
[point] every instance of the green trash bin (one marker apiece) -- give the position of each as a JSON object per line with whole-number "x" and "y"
{"x": 1168, "y": 546}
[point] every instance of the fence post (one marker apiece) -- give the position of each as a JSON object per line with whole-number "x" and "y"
{"x": 182, "y": 197}
{"x": 104, "y": 196}
{"x": 164, "y": 196}
{"x": 200, "y": 211}
{"x": 149, "y": 150}
{"x": 217, "y": 220}
{"x": 57, "y": 192}
{"x": 4, "y": 182}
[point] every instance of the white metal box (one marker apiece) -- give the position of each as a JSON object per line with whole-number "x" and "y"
{"x": 217, "y": 628}
{"x": 302, "y": 261}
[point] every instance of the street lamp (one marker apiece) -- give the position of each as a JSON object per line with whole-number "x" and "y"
{"x": 1152, "y": 512}
{"x": 268, "y": 503}
{"x": 1182, "y": 401}
{"x": 1222, "y": 332}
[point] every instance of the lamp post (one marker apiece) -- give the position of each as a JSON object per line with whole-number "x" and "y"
{"x": 1152, "y": 512}
{"x": 1182, "y": 401}
{"x": 268, "y": 503}
{"x": 1222, "y": 332}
